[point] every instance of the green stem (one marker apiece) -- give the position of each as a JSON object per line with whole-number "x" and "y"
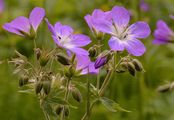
{"x": 98, "y": 76}
{"x": 88, "y": 97}
{"x": 34, "y": 42}
{"x": 90, "y": 108}
{"x": 65, "y": 98}
{"x": 106, "y": 82}
{"x": 103, "y": 87}
{"x": 47, "y": 117}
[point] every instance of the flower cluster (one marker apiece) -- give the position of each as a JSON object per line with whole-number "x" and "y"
{"x": 73, "y": 59}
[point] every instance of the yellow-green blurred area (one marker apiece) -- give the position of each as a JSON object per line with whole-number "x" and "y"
{"x": 136, "y": 94}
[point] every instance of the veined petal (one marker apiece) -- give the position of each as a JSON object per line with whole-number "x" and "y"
{"x": 78, "y": 51}
{"x": 36, "y": 16}
{"x": 63, "y": 30}
{"x": 162, "y": 25}
{"x": 19, "y": 24}
{"x": 8, "y": 27}
{"x": 120, "y": 16}
{"x": 56, "y": 40}
{"x": 80, "y": 40}
{"x": 90, "y": 69}
{"x": 135, "y": 47}
{"x": 139, "y": 30}
{"x": 97, "y": 14}
{"x": 82, "y": 61}
{"x": 159, "y": 41}
{"x": 116, "y": 44}
{"x": 88, "y": 21}
{"x": 103, "y": 26}
{"x": 50, "y": 27}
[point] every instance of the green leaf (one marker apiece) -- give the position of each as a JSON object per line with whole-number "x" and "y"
{"x": 112, "y": 105}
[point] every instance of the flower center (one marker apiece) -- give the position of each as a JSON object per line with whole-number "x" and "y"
{"x": 120, "y": 32}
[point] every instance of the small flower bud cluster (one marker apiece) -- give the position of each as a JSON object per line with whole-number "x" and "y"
{"x": 130, "y": 65}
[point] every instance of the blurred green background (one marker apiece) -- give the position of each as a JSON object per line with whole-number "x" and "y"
{"x": 137, "y": 94}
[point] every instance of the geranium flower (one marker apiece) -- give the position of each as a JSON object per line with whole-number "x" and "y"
{"x": 124, "y": 36}
{"x": 163, "y": 34}
{"x": 97, "y": 14}
{"x": 64, "y": 37}
{"x": 26, "y": 26}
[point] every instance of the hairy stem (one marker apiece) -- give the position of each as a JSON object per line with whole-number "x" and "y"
{"x": 88, "y": 97}
{"x": 98, "y": 75}
{"x": 65, "y": 98}
{"x": 104, "y": 85}
{"x": 47, "y": 117}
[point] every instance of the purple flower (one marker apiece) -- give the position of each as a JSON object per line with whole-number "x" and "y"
{"x": 163, "y": 34}
{"x": 64, "y": 37}
{"x": 124, "y": 36}
{"x": 85, "y": 65}
{"x": 97, "y": 14}
{"x": 24, "y": 26}
{"x": 144, "y": 6}
{"x": 172, "y": 17}
{"x": 1, "y": 6}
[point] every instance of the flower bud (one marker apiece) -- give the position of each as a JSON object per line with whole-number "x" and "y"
{"x": 46, "y": 87}
{"x": 76, "y": 94}
{"x": 131, "y": 68}
{"x": 23, "y": 81}
{"x": 38, "y": 87}
{"x": 44, "y": 60}
{"x": 92, "y": 52}
{"x": 103, "y": 59}
{"x": 164, "y": 88}
{"x": 62, "y": 59}
{"x": 137, "y": 64}
{"x": 66, "y": 111}
{"x": 69, "y": 72}
{"x": 38, "y": 53}
{"x": 59, "y": 109}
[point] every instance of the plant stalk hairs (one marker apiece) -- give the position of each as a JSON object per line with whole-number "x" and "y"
{"x": 55, "y": 88}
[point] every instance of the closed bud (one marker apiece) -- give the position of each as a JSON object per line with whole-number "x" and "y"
{"x": 103, "y": 59}
{"x": 38, "y": 53}
{"x": 76, "y": 94}
{"x": 46, "y": 87}
{"x": 166, "y": 87}
{"x": 69, "y": 72}
{"x": 66, "y": 111}
{"x": 123, "y": 65}
{"x": 92, "y": 52}
{"x": 137, "y": 64}
{"x": 62, "y": 59}
{"x": 120, "y": 71}
{"x": 23, "y": 81}
{"x": 44, "y": 60}
{"x": 59, "y": 109}
{"x": 131, "y": 68}
{"x": 38, "y": 87}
